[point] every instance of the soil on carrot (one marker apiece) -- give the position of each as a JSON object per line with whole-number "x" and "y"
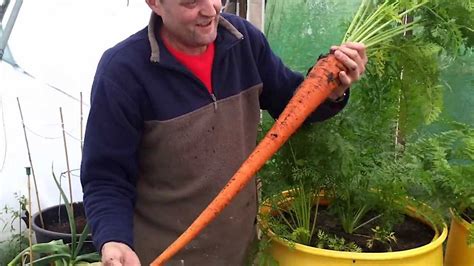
{"x": 410, "y": 234}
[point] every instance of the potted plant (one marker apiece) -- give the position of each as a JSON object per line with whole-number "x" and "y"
{"x": 364, "y": 209}
{"x": 362, "y": 160}
{"x": 57, "y": 251}
{"x": 57, "y": 227}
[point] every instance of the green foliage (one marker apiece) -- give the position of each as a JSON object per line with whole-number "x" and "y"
{"x": 17, "y": 241}
{"x": 377, "y": 23}
{"x": 11, "y": 247}
{"x": 296, "y": 214}
{"x": 421, "y": 92}
{"x": 335, "y": 243}
{"x": 444, "y": 164}
{"x": 383, "y": 236}
{"x": 56, "y": 251}
{"x": 14, "y": 214}
{"x": 263, "y": 257}
{"x": 372, "y": 157}
{"x": 300, "y": 210}
{"x": 450, "y": 24}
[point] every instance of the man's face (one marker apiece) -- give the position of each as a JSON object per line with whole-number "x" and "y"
{"x": 188, "y": 24}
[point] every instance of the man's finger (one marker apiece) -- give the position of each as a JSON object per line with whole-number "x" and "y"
{"x": 361, "y": 49}
{"x": 354, "y": 55}
{"x": 346, "y": 60}
{"x": 345, "y": 79}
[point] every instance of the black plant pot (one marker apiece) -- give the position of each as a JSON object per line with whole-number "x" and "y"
{"x": 57, "y": 226}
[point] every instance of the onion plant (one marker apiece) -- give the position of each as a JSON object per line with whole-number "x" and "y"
{"x": 57, "y": 252}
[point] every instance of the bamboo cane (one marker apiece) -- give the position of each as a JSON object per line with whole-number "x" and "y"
{"x": 31, "y": 164}
{"x": 67, "y": 157}
{"x": 81, "y": 128}
{"x": 30, "y": 218}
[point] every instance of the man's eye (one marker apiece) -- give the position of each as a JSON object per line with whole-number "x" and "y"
{"x": 189, "y": 2}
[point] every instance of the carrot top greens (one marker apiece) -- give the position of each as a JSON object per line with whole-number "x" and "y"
{"x": 374, "y": 24}
{"x": 377, "y": 22}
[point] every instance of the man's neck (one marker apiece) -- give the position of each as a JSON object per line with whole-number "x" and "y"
{"x": 173, "y": 42}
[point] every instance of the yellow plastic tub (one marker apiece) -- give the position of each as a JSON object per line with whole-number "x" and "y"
{"x": 301, "y": 255}
{"x": 458, "y": 253}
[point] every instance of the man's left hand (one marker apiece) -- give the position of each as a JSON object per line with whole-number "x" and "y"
{"x": 353, "y": 56}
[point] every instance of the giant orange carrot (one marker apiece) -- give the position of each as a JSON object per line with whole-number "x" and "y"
{"x": 320, "y": 82}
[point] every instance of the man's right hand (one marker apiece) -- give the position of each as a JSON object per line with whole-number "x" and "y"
{"x": 118, "y": 254}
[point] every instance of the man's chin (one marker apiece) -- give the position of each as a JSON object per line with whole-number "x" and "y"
{"x": 207, "y": 40}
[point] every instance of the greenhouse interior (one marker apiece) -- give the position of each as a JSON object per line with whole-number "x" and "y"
{"x": 237, "y": 132}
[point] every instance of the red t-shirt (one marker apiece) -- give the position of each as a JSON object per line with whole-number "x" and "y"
{"x": 199, "y": 65}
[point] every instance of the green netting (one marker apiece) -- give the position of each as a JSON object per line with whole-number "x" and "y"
{"x": 300, "y": 30}
{"x": 459, "y": 98}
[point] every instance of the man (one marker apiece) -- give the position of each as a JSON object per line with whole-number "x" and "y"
{"x": 174, "y": 112}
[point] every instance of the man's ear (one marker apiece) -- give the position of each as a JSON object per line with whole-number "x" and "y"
{"x": 150, "y": 2}
{"x": 155, "y": 5}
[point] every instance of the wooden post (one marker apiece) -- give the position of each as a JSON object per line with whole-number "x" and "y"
{"x": 237, "y": 7}
{"x": 256, "y": 11}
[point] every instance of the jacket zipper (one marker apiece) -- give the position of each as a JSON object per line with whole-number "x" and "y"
{"x": 189, "y": 74}
{"x": 214, "y": 99}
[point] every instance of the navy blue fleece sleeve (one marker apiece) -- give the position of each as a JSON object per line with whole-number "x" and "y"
{"x": 109, "y": 164}
{"x": 280, "y": 83}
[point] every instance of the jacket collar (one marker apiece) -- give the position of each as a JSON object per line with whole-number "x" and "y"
{"x": 156, "y": 22}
